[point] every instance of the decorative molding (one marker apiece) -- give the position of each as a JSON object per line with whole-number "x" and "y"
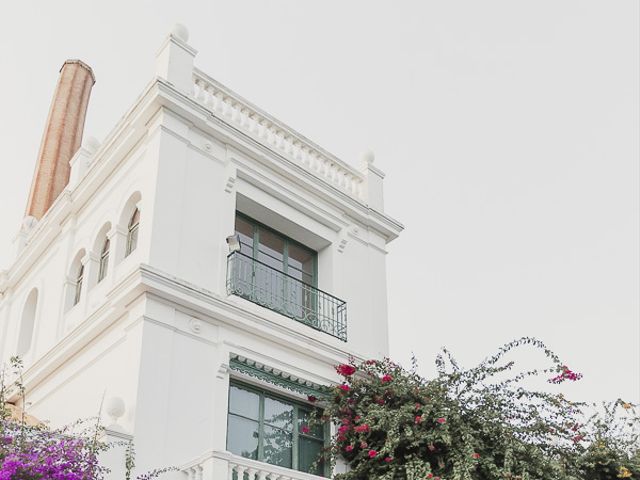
{"x": 274, "y": 376}
{"x": 195, "y": 325}
{"x": 223, "y": 371}
{"x": 231, "y": 181}
{"x": 342, "y": 245}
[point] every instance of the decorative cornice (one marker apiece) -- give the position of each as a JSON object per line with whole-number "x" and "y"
{"x": 274, "y": 376}
{"x": 255, "y": 122}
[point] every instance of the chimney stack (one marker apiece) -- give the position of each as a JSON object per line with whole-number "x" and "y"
{"x": 62, "y": 136}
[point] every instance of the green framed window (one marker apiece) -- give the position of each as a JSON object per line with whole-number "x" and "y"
{"x": 278, "y": 273}
{"x": 273, "y": 429}
{"x": 276, "y": 250}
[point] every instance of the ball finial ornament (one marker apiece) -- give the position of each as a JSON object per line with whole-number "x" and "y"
{"x": 181, "y": 32}
{"x": 368, "y": 156}
{"x": 114, "y": 407}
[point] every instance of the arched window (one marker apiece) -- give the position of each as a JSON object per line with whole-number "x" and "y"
{"x": 104, "y": 260}
{"x": 132, "y": 234}
{"x": 27, "y": 323}
{"x": 78, "y": 286}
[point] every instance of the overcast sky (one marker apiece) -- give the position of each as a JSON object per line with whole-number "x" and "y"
{"x": 508, "y": 131}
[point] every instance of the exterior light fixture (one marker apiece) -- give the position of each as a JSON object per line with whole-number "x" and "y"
{"x": 234, "y": 243}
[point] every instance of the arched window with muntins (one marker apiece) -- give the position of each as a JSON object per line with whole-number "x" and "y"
{"x": 27, "y": 323}
{"x": 78, "y": 286}
{"x": 104, "y": 260}
{"x": 132, "y": 234}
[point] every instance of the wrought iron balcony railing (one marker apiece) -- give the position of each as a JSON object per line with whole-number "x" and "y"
{"x": 266, "y": 286}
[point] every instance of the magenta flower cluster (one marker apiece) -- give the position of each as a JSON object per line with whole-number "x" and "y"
{"x": 40, "y": 454}
{"x": 565, "y": 374}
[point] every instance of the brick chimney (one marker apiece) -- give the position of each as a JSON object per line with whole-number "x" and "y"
{"x": 62, "y": 136}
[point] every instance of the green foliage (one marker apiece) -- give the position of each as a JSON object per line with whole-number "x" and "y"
{"x": 474, "y": 424}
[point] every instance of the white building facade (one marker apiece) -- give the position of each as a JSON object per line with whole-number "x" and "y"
{"x": 204, "y": 270}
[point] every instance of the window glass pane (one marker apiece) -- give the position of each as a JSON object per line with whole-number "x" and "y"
{"x": 244, "y": 229}
{"x": 104, "y": 264}
{"x": 301, "y": 258}
{"x": 309, "y": 452}
{"x": 298, "y": 275}
{"x": 244, "y": 402}
{"x": 135, "y": 218}
{"x": 271, "y": 248}
{"x": 274, "y": 263}
{"x": 278, "y": 414}
{"x": 268, "y": 287}
{"x": 132, "y": 239}
{"x": 242, "y": 437}
{"x": 316, "y": 431}
{"x": 277, "y": 447}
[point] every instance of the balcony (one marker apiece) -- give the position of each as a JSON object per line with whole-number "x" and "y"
{"x": 270, "y": 288}
{"x": 225, "y": 466}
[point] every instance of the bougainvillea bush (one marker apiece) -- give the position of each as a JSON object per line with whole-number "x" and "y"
{"x": 30, "y": 450}
{"x": 29, "y": 453}
{"x": 473, "y": 424}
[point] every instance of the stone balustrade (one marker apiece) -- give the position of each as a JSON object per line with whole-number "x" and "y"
{"x": 268, "y": 131}
{"x": 225, "y": 466}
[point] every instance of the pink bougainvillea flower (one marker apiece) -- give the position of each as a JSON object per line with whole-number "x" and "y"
{"x": 429, "y": 475}
{"x": 362, "y": 428}
{"x": 388, "y": 459}
{"x": 418, "y": 419}
{"x": 363, "y": 445}
{"x": 441, "y": 420}
{"x": 344, "y": 387}
{"x": 346, "y": 370}
{"x": 312, "y": 398}
{"x": 348, "y": 448}
{"x": 386, "y": 378}
{"x": 565, "y": 374}
{"x": 475, "y": 456}
{"x": 343, "y": 429}
{"x": 305, "y": 429}
{"x": 372, "y": 453}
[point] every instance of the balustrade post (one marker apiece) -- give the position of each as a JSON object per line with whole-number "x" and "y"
{"x": 240, "y": 470}
{"x": 262, "y": 475}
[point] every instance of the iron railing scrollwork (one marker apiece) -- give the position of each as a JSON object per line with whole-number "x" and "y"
{"x": 266, "y": 286}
